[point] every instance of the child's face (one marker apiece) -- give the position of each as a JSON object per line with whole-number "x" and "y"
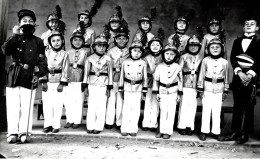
{"x": 114, "y": 25}
{"x": 53, "y": 24}
{"x": 181, "y": 25}
{"x": 155, "y": 46}
{"x": 121, "y": 41}
{"x": 84, "y": 18}
{"x": 101, "y": 49}
{"x": 77, "y": 42}
{"x": 169, "y": 55}
{"x": 250, "y": 26}
{"x": 136, "y": 53}
{"x": 214, "y": 28}
{"x": 56, "y": 42}
{"x": 215, "y": 49}
{"x": 145, "y": 25}
{"x": 193, "y": 48}
{"x": 26, "y": 20}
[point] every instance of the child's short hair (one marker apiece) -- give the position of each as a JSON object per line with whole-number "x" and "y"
{"x": 252, "y": 17}
{"x": 26, "y": 12}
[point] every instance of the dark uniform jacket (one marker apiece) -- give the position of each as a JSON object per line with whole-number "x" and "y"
{"x": 28, "y": 57}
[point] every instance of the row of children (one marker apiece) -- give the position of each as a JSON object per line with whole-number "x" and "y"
{"x": 116, "y": 78}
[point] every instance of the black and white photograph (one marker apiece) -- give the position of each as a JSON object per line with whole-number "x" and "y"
{"x": 126, "y": 79}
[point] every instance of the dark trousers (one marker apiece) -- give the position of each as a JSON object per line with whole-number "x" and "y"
{"x": 243, "y": 110}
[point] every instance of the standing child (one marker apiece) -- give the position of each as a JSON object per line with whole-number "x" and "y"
{"x": 133, "y": 86}
{"x": 115, "y": 102}
{"x": 215, "y": 30}
{"x": 245, "y": 62}
{"x": 213, "y": 87}
{"x": 144, "y": 32}
{"x": 85, "y": 20}
{"x": 179, "y": 38}
{"x": 28, "y": 64}
{"x": 151, "y": 109}
{"x": 190, "y": 65}
{"x": 116, "y": 21}
{"x": 53, "y": 83}
{"x": 167, "y": 85}
{"x": 53, "y": 23}
{"x": 74, "y": 97}
{"x": 98, "y": 81}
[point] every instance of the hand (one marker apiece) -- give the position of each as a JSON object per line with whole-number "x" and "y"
{"x": 86, "y": 92}
{"x": 83, "y": 87}
{"x": 178, "y": 99}
{"x": 60, "y": 88}
{"x": 224, "y": 96}
{"x": 44, "y": 87}
{"x": 201, "y": 95}
{"x": 35, "y": 80}
{"x": 158, "y": 97}
{"x": 244, "y": 79}
{"x": 108, "y": 93}
{"x": 16, "y": 29}
{"x": 143, "y": 96}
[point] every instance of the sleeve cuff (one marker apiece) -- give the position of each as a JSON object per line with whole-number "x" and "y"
{"x": 85, "y": 85}
{"x": 251, "y": 72}
{"x": 180, "y": 93}
{"x": 236, "y": 70}
{"x": 145, "y": 89}
{"x": 43, "y": 81}
{"x": 200, "y": 89}
{"x": 64, "y": 83}
{"x": 109, "y": 87}
{"x": 155, "y": 92}
{"x": 225, "y": 92}
{"x": 120, "y": 89}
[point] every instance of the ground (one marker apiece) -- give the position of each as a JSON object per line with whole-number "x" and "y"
{"x": 106, "y": 148}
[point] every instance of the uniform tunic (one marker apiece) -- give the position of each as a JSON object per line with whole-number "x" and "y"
{"x": 98, "y": 75}
{"x": 115, "y": 101}
{"x": 213, "y": 81}
{"x": 74, "y": 98}
{"x": 151, "y": 109}
{"x": 58, "y": 64}
{"x": 167, "y": 84}
{"x": 27, "y": 53}
{"x": 133, "y": 81}
{"x": 190, "y": 65}
{"x": 183, "y": 42}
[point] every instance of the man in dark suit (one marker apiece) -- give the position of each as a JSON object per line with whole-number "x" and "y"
{"x": 245, "y": 62}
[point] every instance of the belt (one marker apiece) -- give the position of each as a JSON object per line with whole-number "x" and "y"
{"x": 77, "y": 66}
{"x": 117, "y": 70}
{"x": 219, "y": 80}
{"x": 168, "y": 85}
{"x": 98, "y": 74}
{"x": 190, "y": 72}
{"x": 133, "y": 82}
{"x": 53, "y": 71}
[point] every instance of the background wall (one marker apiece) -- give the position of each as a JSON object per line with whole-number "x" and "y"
{"x": 168, "y": 11}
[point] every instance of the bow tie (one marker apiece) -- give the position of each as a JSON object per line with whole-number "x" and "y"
{"x": 248, "y": 37}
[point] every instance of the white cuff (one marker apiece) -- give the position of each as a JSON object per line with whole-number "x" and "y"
{"x": 251, "y": 72}
{"x": 236, "y": 70}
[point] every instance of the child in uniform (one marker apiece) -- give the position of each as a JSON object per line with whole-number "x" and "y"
{"x": 97, "y": 83}
{"x": 153, "y": 59}
{"x": 133, "y": 86}
{"x": 213, "y": 87}
{"x": 190, "y": 65}
{"x": 74, "y": 97}
{"x": 118, "y": 54}
{"x": 144, "y": 32}
{"x": 214, "y": 29}
{"x": 28, "y": 64}
{"x": 54, "y": 82}
{"x": 53, "y": 23}
{"x": 179, "y": 38}
{"x": 167, "y": 85}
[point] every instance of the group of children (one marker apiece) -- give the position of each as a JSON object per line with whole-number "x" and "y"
{"x": 116, "y": 78}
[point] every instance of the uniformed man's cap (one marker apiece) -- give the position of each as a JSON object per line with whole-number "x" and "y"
{"x": 26, "y": 12}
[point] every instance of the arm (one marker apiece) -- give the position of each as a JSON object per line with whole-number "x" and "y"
{"x": 145, "y": 78}
{"x": 226, "y": 78}
{"x": 156, "y": 80}
{"x": 200, "y": 84}
{"x": 121, "y": 80}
